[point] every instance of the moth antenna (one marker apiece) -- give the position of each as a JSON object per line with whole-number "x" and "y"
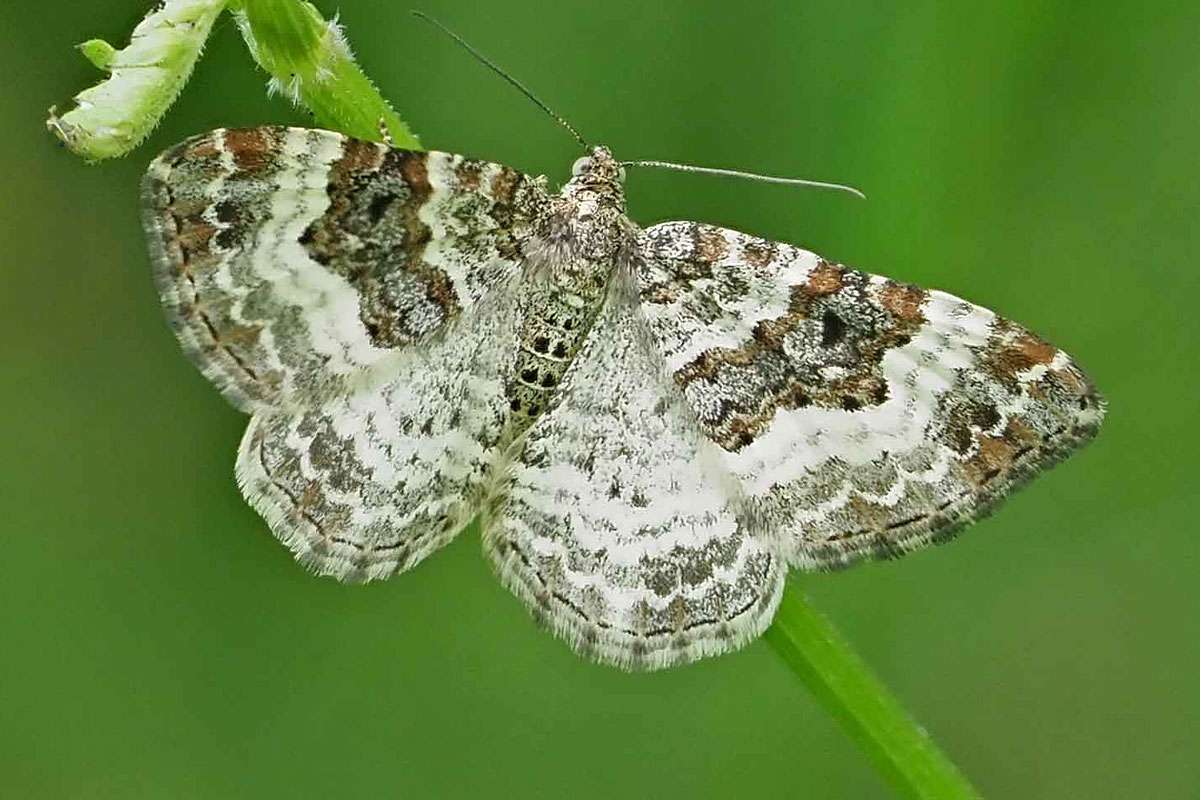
{"x": 487, "y": 62}
{"x": 752, "y": 176}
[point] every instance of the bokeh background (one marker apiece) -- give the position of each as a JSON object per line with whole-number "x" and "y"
{"x": 1037, "y": 157}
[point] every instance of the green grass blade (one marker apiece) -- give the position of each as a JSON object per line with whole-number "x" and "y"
{"x": 874, "y": 718}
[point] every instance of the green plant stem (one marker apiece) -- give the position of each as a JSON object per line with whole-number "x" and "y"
{"x": 310, "y": 62}
{"x": 874, "y": 718}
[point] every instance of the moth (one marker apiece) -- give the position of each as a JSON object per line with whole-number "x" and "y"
{"x": 653, "y": 425}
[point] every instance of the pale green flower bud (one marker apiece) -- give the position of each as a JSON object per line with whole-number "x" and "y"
{"x": 113, "y": 117}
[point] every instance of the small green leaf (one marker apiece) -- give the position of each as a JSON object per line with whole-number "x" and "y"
{"x": 99, "y": 52}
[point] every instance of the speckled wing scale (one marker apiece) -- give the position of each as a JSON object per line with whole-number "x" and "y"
{"x": 862, "y": 417}
{"x": 652, "y": 424}
{"x": 360, "y": 302}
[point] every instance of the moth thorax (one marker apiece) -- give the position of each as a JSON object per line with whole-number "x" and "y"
{"x": 580, "y": 280}
{"x": 597, "y": 244}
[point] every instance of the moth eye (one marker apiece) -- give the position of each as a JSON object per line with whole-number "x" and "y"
{"x": 621, "y": 174}
{"x": 580, "y": 165}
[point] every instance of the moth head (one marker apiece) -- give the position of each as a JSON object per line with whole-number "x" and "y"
{"x": 596, "y": 183}
{"x": 598, "y": 167}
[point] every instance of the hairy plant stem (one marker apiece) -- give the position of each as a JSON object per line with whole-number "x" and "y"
{"x": 309, "y": 62}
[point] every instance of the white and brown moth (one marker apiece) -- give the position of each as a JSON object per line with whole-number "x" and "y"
{"x": 653, "y": 424}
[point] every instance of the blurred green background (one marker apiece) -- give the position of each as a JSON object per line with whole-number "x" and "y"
{"x": 1037, "y": 157}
